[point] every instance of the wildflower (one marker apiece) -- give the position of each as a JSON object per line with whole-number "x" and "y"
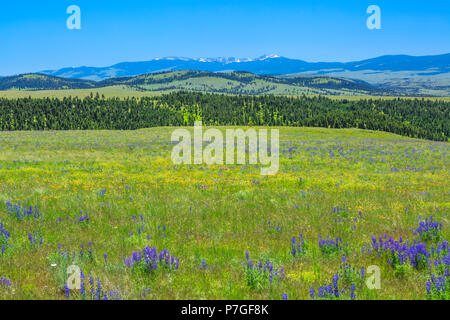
{"x": 261, "y": 273}
{"x": 311, "y": 293}
{"x": 352, "y": 294}
{"x": 150, "y": 258}
{"x": 399, "y": 253}
{"x": 6, "y": 282}
{"x": 298, "y": 246}
{"x": 429, "y": 229}
{"x": 98, "y": 291}
{"x": 67, "y": 291}
{"x": 329, "y": 245}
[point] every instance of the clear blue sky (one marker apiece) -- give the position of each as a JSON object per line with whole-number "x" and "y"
{"x": 33, "y": 35}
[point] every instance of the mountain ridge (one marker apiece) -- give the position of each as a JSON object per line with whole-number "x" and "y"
{"x": 398, "y": 74}
{"x": 263, "y": 65}
{"x": 240, "y": 82}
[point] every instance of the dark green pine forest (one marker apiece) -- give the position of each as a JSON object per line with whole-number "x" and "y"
{"x": 415, "y": 118}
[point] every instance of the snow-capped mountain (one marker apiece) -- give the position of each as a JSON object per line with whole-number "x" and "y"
{"x": 268, "y": 64}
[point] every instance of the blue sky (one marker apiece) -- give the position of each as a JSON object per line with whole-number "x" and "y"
{"x": 34, "y": 35}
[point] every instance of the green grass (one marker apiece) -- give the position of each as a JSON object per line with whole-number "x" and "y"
{"x": 108, "y": 92}
{"x": 127, "y": 92}
{"x": 256, "y": 86}
{"x": 215, "y": 213}
{"x": 407, "y": 82}
{"x": 230, "y": 83}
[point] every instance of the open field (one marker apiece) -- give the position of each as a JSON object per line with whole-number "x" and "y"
{"x": 103, "y": 194}
{"x": 109, "y": 92}
{"x": 127, "y": 92}
{"x": 408, "y": 82}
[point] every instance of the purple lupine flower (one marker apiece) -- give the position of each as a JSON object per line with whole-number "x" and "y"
{"x": 352, "y": 294}
{"x": 428, "y": 229}
{"x": 5, "y": 282}
{"x": 335, "y": 285}
{"x": 312, "y": 293}
{"x": 98, "y": 290}
{"x": 428, "y": 285}
{"x": 67, "y": 291}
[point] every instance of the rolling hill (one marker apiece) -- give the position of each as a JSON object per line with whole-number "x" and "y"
{"x": 200, "y": 81}
{"x": 34, "y": 82}
{"x": 401, "y": 74}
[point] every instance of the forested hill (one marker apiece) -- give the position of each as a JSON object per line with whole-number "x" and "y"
{"x": 416, "y": 118}
{"x": 42, "y": 82}
{"x": 201, "y": 81}
{"x": 243, "y": 83}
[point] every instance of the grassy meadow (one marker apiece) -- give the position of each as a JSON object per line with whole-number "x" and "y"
{"x": 109, "y": 92}
{"x": 124, "y": 92}
{"x": 98, "y": 196}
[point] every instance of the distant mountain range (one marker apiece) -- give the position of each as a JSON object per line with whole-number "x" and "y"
{"x": 201, "y": 81}
{"x": 401, "y": 74}
{"x": 265, "y": 65}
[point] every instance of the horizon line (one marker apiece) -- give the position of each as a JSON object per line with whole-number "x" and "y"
{"x": 217, "y": 58}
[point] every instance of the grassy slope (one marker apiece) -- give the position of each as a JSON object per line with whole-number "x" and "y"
{"x": 123, "y": 92}
{"x": 255, "y": 86}
{"x": 113, "y": 91}
{"x": 396, "y": 83}
{"x": 232, "y": 83}
{"x": 215, "y": 214}
{"x": 410, "y": 82}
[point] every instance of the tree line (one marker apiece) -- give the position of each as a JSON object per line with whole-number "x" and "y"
{"x": 416, "y": 118}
